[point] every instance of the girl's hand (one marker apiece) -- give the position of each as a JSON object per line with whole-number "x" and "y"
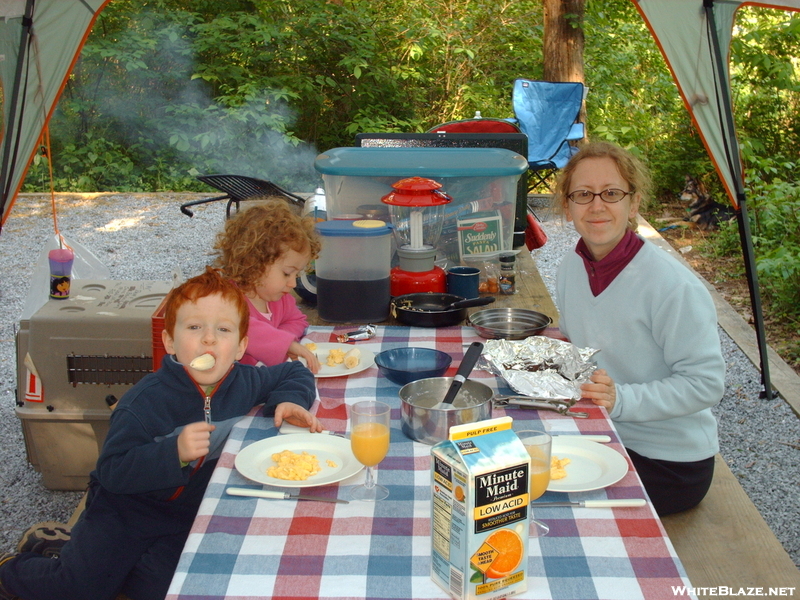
{"x": 298, "y": 350}
{"x": 194, "y": 441}
{"x": 296, "y": 415}
{"x": 601, "y": 391}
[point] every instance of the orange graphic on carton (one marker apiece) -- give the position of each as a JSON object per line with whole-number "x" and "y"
{"x": 499, "y": 554}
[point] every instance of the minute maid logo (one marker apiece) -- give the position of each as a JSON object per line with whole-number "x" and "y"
{"x": 467, "y": 447}
{"x": 500, "y": 483}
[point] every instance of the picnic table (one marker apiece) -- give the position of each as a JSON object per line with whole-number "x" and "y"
{"x": 251, "y": 548}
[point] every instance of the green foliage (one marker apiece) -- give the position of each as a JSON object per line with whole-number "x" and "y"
{"x": 775, "y": 215}
{"x": 176, "y": 87}
{"x": 725, "y": 241}
{"x": 773, "y": 208}
{"x": 765, "y": 79}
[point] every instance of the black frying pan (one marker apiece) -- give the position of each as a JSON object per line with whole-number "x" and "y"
{"x": 433, "y": 310}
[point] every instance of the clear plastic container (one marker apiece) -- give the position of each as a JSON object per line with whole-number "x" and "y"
{"x": 353, "y": 271}
{"x": 481, "y": 181}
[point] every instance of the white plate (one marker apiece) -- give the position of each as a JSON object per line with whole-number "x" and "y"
{"x": 253, "y": 461}
{"x": 593, "y": 465}
{"x": 367, "y": 360}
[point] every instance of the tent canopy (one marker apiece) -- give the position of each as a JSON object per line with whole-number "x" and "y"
{"x": 40, "y": 40}
{"x": 684, "y": 34}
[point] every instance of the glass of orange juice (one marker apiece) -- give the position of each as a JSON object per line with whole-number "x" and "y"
{"x": 538, "y": 444}
{"x": 369, "y": 440}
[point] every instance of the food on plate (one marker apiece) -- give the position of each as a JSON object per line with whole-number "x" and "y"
{"x": 294, "y": 467}
{"x": 558, "y": 467}
{"x": 352, "y": 358}
{"x": 203, "y": 362}
{"x": 331, "y": 464}
{"x": 335, "y": 357}
{"x": 311, "y": 346}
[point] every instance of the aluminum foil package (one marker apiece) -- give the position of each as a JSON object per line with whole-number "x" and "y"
{"x": 539, "y": 366}
{"x": 365, "y": 332}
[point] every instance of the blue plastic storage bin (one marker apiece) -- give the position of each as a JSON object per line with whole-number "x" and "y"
{"x": 481, "y": 181}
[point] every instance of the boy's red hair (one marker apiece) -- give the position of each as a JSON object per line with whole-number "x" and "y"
{"x": 207, "y": 284}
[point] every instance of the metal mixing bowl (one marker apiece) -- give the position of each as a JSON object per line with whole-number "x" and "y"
{"x": 508, "y": 323}
{"x": 424, "y": 421}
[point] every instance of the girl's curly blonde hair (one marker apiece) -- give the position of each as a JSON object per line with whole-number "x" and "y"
{"x": 255, "y": 238}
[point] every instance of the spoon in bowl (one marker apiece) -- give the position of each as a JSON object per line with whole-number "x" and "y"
{"x": 465, "y": 368}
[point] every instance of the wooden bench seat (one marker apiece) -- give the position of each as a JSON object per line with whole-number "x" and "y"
{"x": 724, "y": 541}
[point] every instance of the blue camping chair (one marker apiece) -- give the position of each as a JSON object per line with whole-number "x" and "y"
{"x": 547, "y": 112}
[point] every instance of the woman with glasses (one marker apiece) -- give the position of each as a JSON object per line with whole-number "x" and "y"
{"x": 660, "y": 363}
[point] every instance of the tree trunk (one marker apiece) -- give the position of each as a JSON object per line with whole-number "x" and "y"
{"x": 563, "y": 40}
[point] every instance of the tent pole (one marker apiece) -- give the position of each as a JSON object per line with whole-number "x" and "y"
{"x": 732, "y": 148}
{"x": 9, "y": 146}
{"x": 755, "y": 296}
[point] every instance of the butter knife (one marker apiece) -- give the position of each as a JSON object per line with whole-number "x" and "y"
{"x": 275, "y": 495}
{"x": 622, "y": 503}
{"x": 600, "y": 439}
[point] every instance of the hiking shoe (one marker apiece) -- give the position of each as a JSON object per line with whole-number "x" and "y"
{"x": 4, "y": 558}
{"x": 46, "y": 538}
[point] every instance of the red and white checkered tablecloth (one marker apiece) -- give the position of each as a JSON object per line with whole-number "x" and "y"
{"x": 248, "y": 548}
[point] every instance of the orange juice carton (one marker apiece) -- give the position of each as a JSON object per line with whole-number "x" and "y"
{"x": 480, "y": 513}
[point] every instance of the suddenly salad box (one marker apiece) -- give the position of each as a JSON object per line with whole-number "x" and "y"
{"x": 479, "y": 533}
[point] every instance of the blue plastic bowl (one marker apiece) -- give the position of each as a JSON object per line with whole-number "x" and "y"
{"x": 404, "y": 365}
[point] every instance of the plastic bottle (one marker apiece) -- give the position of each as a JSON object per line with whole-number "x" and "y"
{"x": 508, "y": 275}
{"x": 316, "y": 207}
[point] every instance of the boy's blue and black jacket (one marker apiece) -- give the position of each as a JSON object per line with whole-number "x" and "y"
{"x": 139, "y": 474}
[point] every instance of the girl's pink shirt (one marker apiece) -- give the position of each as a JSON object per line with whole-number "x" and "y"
{"x": 269, "y": 339}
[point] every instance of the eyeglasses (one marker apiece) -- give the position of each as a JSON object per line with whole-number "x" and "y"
{"x": 608, "y": 196}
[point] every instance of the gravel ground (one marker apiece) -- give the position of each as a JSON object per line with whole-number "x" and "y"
{"x": 141, "y": 237}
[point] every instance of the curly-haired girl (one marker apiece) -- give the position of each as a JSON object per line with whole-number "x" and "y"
{"x": 263, "y": 249}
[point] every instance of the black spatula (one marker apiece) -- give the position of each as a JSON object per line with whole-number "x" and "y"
{"x": 464, "y": 370}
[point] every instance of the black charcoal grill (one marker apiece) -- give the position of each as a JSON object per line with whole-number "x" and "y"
{"x": 238, "y": 188}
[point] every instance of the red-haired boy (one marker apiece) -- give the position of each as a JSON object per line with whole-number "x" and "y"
{"x": 164, "y": 439}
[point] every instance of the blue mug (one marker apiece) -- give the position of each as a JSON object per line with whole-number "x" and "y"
{"x": 463, "y": 281}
